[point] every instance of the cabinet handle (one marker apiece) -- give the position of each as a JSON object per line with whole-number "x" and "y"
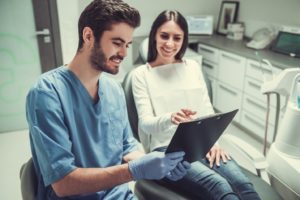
{"x": 228, "y": 90}
{"x": 208, "y": 65}
{"x": 254, "y": 85}
{"x": 261, "y": 68}
{"x": 207, "y": 50}
{"x": 231, "y": 58}
{"x": 254, "y": 121}
{"x": 256, "y": 104}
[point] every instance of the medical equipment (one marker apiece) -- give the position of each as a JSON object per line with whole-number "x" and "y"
{"x": 288, "y": 139}
{"x": 200, "y": 24}
{"x": 284, "y": 155}
{"x": 279, "y": 85}
{"x": 235, "y": 31}
{"x": 261, "y": 38}
{"x": 288, "y": 41}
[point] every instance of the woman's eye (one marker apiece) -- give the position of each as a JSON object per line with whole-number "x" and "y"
{"x": 177, "y": 39}
{"x": 165, "y": 37}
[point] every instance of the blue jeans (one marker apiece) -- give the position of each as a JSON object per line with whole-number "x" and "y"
{"x": 226, "y": 182}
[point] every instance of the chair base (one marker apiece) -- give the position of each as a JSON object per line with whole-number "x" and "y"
{"x": 147, "y": 190}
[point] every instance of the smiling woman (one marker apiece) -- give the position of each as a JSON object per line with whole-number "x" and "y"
{"x": 169, "y": 90}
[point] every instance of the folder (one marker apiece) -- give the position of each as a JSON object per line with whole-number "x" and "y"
{"x": 197, "y": 137}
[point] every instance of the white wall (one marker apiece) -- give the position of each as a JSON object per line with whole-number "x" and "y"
{"x": 68, "y": 14}
{"x": 255, "y": 14}
{"x": 259, "y": 13}
{"x": 150, "y": 9}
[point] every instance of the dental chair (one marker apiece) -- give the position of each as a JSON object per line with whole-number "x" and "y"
{"x": 28, "y": 180}
{"x": 148, "y": 189}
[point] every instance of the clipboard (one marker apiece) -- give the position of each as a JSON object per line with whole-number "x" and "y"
{"x": 197, "y": 137}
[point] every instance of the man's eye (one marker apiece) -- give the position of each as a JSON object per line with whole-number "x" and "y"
{"x": 118, "y": 44}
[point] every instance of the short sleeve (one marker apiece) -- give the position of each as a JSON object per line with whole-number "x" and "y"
{"x": 49, "y": 136}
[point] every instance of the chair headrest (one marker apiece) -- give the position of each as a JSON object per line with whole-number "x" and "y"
{"x": 143, "y": 49}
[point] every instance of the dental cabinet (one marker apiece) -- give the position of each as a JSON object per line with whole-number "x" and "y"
{"x": 236, "y": 75}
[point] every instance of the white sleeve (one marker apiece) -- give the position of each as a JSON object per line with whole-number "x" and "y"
{"x": 149, "y": 123}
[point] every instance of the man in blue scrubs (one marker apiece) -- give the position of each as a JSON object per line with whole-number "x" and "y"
{"x": 81, "y": 141}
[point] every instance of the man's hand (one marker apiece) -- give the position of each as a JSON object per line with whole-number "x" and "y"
{"x": 154, "y": 165}
{"x": 215, "y": 154}
{"x": 179, "y": 172}
{"x": 184, "y": 115}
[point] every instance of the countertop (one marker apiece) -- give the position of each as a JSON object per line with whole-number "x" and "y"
{"x": 239, "y": 47}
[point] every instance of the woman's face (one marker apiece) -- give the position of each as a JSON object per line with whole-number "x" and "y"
{"x": 169, "y": 38}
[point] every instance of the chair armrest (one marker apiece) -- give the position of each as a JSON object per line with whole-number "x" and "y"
{"x": 239, "y": 146}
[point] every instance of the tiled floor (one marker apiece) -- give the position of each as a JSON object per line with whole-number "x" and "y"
{"x": 14, "y": 151}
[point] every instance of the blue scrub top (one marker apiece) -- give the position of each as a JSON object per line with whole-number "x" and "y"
{"x": 69, "y": 130}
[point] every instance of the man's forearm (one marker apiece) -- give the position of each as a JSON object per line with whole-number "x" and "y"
{"x": 133, "y": 155}
{"x": 90, "y": 180}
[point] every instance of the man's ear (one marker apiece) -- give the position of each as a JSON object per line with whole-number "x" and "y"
{"x": 88, "y": 36}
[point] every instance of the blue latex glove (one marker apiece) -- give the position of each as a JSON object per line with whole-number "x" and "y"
{"x": 179, "y": 171}
{"x": 154, "y": 165}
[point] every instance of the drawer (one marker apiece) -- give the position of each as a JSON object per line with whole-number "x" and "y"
{"x": 256, "y": 125}
{"x": 258, "y": 108}
{"x": 232, "y": 69}
{"x": 252, "y": 88}
{"x": 227, "y": 99}
{"x": 210, "y": 68}
{"x": 259, "y": 71}
{"x": 209, "y": 53}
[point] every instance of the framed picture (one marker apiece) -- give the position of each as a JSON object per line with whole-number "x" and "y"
{"x": 228, "y": 14}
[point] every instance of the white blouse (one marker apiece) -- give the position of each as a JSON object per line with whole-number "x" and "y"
{"x": 160, "y": 91}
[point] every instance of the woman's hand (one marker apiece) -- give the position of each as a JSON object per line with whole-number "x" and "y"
{"x": 215, "y": 154}
{"x": 184, "y": 115}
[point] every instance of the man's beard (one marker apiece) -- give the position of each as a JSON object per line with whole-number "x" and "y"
{"x": 98, "y": 60}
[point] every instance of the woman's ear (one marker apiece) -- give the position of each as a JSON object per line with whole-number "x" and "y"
{"x": 88, "y": 37}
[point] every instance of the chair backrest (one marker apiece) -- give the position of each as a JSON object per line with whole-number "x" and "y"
{"x": 132, "y": 112}
{"x": 28, "y": 180}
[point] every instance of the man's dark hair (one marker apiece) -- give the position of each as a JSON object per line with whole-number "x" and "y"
{"x": 100, "y": 15}
{"x": 163, "y": 17}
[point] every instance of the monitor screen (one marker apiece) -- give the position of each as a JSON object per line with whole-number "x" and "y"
{"x": 200, "y": 24}
{"x": 287, "y": 43}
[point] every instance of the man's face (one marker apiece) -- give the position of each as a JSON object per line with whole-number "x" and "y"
{"x": 108, "y": 53}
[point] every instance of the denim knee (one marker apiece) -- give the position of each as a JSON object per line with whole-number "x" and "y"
{"x": 213, "y": 186}
{"x": 220, "y": 188}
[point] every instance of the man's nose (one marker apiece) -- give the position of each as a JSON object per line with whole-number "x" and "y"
{"x": 123, "y": 51}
